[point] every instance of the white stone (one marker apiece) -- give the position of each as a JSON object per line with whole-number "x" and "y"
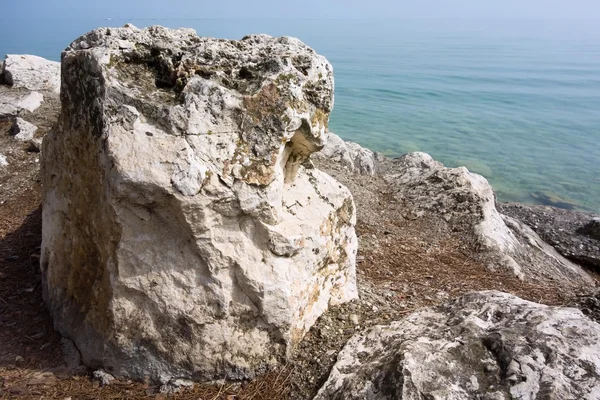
{"x": 103, "y": 377}
{"x": 466, "y": 202}
{"x": 35, "y": 145}
{"x": 182, "y": 235}
{"x": 3, "y": 161}
{"x": 32, "y": 72}
{"x": 11, "y": 103}
{"x": 462, "y": 349}
{"x": 356, "y": 158}
{"x": 23, "y": 130}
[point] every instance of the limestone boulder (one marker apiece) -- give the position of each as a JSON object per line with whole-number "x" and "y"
{"x": 183, "y": 237}
{"x": 31, "y": 72}
{"x": 12, "y": 103}
{"x": 465, "y": 202}
{"x": 351, "y": 155}
{"x": 487, "y": 345}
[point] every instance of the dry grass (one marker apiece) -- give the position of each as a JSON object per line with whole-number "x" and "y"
{"x": 30, "y": 384}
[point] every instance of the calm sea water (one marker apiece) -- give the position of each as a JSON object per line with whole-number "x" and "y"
{"x": 518, "y": 102}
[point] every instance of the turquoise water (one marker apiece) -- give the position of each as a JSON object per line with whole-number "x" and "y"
{"x": 518, "y": 102}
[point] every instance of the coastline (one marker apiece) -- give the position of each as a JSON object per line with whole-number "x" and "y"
{"x": 561, "y": 227}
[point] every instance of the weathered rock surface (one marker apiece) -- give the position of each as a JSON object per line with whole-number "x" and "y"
{"x": 486, "y": 345}
{"x": 571, "y": 233}
{"x": 12, "y": 103}
{"x": 35, "y": 145}
{"x": 466, "y": 202}
{"x": 31, "y": 72}
{"x": 354, "y": 157}
{"x": 182, "y": 235}
{"x": 592, "y": 228}
{"x": 23, "y": 130}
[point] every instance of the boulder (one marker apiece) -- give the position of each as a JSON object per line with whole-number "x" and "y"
{"x": 351, "y": 155}
{"x": 465, "y": 202}
{"x": 23, "y": 130}
{"x": 183, "y": 237}
{"x": 487, "y": 345}
{"x": 11, "y": 104}
{"x": 31, "y": 72}
{"x": 570, "y": 232}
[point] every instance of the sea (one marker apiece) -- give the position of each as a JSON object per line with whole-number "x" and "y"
{"x": 517, "y": 101}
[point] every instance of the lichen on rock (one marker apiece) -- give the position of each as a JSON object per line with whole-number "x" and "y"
{"x": 182, "y": 235}
{"x": 484, "y": 345}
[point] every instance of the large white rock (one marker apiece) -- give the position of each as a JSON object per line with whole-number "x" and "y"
{"x": 466, "y": 202}
{"x": 12, "y": 103}
{"x": 182, "y": 236}
{"x": 488, "y": 345}
{"x": 31, "y": 72}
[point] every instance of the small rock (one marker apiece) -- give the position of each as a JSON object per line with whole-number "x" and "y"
{"x": 35, "y": 145}
{"x": 175, "y": 386}
{"x": 22, "y": 130}
{"x": 3, "y": 161}
{"x": 103, "y": 377}
{"x": 19, "y": 359}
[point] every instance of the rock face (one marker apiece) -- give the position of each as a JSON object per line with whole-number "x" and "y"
{"x": 182, "y": 235}
{"x": 486, "y": 345}
{"x": 465, "y": 201}
{"x": 571, "y": 233}
{"x": 31, "y": 72}
{"x": 351, "y": 155}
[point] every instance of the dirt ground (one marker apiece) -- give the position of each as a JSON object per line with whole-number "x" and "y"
{"x": 403, "y": 265}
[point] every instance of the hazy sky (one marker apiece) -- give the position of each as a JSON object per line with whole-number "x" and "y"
{"x": 471, "y": 9}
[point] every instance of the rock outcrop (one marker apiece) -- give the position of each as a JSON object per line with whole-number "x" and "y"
{"x": 351, "y": 155}
{"x": 466, "y": 202}
{"x": 182, "y": 235}
{"x": 486, "y": 345}
{"x": 571, "y": 233}
{"x": 31, "y": 72}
